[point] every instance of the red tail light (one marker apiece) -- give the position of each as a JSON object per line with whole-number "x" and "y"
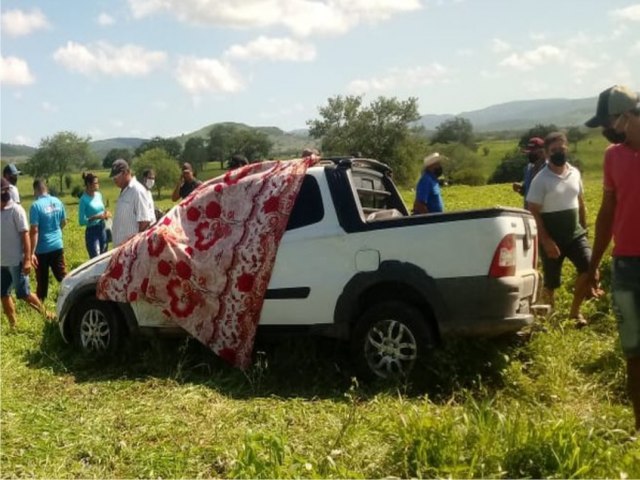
{"x": 504, "y": 259}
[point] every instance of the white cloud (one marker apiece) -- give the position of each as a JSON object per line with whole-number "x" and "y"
{"x": 396, "y": 78}
{"x": 207, "y": 75}
{"x": 635, "y": 49}
{"x": 499, "y": 46}
{"x": 538, "y": 36}
{"x": 630, "y": 13}
{"x": 15, "y": 71}
{"x": 49, "y": 107}
{"x": 285, "y": 49}
{"x": 104, "y": 58}
{"x": 22, "y": 140}
{"x": 538, "y": 57}
{"x": 302, "y": 17}
{"x": 16, "y": 23}
{"x": 105, "y": 19}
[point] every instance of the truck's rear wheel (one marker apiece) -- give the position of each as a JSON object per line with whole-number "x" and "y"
{"x": 388, "y": 340}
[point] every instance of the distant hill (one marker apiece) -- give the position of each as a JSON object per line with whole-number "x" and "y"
{"x": 11, "y": 153}
{"x": 522, "y": 115}
{"x": 102, "y": 147}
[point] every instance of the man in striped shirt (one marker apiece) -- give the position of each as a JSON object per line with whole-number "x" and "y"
{"x": 133, "y": 213}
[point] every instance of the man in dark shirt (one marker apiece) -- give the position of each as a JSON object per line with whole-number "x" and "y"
{"x": 187, "y": 183}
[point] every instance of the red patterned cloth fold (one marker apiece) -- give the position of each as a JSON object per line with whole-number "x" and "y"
{"x": 208, "y": 262}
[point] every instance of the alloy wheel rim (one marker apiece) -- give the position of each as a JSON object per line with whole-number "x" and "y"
{"x": 95, "y": 333}
{"x": 390, "y": 349}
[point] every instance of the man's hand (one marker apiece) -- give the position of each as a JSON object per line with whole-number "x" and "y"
{"x": 34, "y": 260}
{"x": 592, "y": 285}
{"x": 551, "y": 248}
{"x": 26, "y": 267}
{"x": 517, "y": 187}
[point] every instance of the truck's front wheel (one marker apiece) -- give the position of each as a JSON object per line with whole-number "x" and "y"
{"x": 389, "y": 339}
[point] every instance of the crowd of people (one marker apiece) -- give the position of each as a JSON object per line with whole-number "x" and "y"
{"x": 552, "y": 191}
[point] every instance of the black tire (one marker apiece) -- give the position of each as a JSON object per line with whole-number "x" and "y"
{"x": 97, "y": 328}
{"x": 388, "y": 340}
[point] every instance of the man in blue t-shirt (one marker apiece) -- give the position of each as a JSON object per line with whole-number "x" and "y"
{"x": 428, "y": 196}
{"x": 47, "y": 218}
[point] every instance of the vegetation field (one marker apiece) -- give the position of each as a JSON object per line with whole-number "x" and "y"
{"x": 550, "y": 403}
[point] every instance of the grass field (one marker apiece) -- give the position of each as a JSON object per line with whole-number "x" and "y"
{"x": 550, "y": 404}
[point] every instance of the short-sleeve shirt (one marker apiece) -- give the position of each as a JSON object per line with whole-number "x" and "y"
{"x": 428, "y": 192}
{"x": 558, "y": 196}
{"x": 187, "y": 188}
{"x": 13, "y": 225}
{"x": 47, "y": 213}
{"x": 622, "y": 176}
{"x": 132, "y": 207}
{"x": 15, "y": 194}
{"x": 90, "y": 206}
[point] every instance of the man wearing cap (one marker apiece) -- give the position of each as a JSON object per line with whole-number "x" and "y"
{"x": 428, "y": 195}
{"x": 15, "y": 257}
{"x": 618, "y": 113}
{"x": 10, "y": 173}
{"x": 47, "y": 217}
{"x": 134, "y": 213}
{"x": 535, "y": 154}
{"x": 187, "y": 183}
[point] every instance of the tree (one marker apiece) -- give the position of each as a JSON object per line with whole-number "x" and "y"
{"x": 169, "y": 145}
{"x": 226, "y": 140}
{"x": 114, "y": 154}
{"x": 463, "y": 165}
{"x": 455, "y": 130}
{"x": 511, "y": 167}
{"x": 574, "y": 135}
{"x": 381, "y": 130}
{"x": 59, "y": 155}
{"x": 195, "y": 152}
{"x": 166, "y": 168}
{"x": 539, "y": 130}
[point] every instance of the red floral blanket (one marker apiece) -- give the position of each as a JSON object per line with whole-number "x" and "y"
{"x": 208, "y": 262}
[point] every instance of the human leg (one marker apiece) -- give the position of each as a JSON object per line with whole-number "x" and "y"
{"x": 9, "y": 308}
{"x": 579, "y": 253}
{"x": 42, "y": 275}
{"x": 551, "y": 268}
{"x": 626, "y": 302}
{"x": 92, "y": 242}
{"x": 23, "y": 292}
{"x": 58, "y": 265}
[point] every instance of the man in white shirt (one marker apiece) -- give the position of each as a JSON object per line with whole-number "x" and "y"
{"x": 133, "y": 213}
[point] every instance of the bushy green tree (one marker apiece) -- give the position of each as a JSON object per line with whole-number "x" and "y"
{"x": 378, "y": 130}
{"x": 114, "y": 154}
{"x": 510, "y": 168}
{"x": 574, "y": 135}
{"x": 539, "y": 130}
{"x": 455, "y": 130}
{"x": 463, "y": 165}
{"x": 227, "y": 139}
{"x": 195, "y": 152}
{"x": 165, "y": 166}
{"x": 169, "y": 145}
{"x": 58, "y": 155}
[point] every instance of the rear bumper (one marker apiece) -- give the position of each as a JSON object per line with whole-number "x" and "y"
{"x": 488, "y": 306}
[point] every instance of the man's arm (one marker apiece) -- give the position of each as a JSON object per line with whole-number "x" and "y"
{"x": 582, "y": 211}
{"x": 26, "y": 252}
{"x": 175, "y": 196}
{"x": 33, "y": 240}
{"x": 419, "y": 207}
{"x": 549, "y": 245}
{"x": 604, "y": 230}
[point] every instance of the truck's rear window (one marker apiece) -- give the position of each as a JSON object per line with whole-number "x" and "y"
{"x": 308, "y": 208}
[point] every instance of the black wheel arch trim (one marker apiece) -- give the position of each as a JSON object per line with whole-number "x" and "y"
{"x": 403, "y": 281}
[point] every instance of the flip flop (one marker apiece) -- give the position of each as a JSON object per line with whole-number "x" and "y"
{"x": 580, "y": 321}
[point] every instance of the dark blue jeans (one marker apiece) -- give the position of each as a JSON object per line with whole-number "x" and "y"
{"x": 95, "y": 239}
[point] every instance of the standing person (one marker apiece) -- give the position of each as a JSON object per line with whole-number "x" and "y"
{"x": 15, "y": 257}
{"x": 428, "y": 193}
{"x": 10, "y": 172}
{"x": 618, "y": 112}
{"x": 149, "y": 181}
{"x": 133, "y": 212}
{"x": 93, "y": 214}
{"x": 47, "y": 217}
{"x": 187, "y": 183}
{"x": 537, "y": 160}
{"x": 556, "y": 201}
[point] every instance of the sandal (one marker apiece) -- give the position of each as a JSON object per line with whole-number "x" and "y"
{"x": 580, "y": 321}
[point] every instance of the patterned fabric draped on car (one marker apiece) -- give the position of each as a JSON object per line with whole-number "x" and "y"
{"x": 208, "y": 262}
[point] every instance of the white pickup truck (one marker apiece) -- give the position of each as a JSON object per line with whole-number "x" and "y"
{"x": 354, "y": 265}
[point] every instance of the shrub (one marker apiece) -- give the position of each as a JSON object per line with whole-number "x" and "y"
{"x": 464, "y": 165}
{"x": 510, "y": 168}
{"x": 77, "y": 191}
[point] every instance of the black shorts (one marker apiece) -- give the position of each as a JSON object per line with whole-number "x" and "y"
{"x": 578, "y": 252}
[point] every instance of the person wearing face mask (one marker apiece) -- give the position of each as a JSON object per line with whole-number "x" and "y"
{"x": 149, "y": 181}
{"x": 428, "y": 195}
{"x": 555, "y": 199}
{"x": 92, "y": 214}
{"x": 10, "y": 172}
{"x": 536, "y": 157}
{"x": 618, "y": 113}
{"x": 15, "y": 258}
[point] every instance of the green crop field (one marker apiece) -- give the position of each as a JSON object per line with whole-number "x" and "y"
{"x": 550, "y": 403}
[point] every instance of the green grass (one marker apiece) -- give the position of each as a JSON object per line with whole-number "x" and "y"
{"x": 551, "y": 404}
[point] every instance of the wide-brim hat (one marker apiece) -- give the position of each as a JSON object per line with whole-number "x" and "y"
{"x": 433, "y": 159}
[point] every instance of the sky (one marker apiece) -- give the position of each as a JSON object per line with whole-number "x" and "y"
{"x": 144, "y": 68}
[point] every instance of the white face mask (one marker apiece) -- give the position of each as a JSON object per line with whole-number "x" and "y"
{"x": 149, "y": 183}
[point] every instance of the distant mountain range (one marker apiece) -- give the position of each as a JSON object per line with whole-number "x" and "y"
{"x": 514, "y": 116}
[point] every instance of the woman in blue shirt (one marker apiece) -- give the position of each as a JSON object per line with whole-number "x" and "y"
{"x": 92, "y": 213}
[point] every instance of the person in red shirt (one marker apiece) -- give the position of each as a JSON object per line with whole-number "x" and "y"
{"x": 618, "y": 113}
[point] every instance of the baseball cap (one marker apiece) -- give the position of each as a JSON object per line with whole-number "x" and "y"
{"x": 11, "y": 169}
{"x": 119, "y": 166}
{"x": 433, "y": 158}
{"x": 613, "y": 101}
{"x": 534, "y": 143}
{"x": 5, "y": 184}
